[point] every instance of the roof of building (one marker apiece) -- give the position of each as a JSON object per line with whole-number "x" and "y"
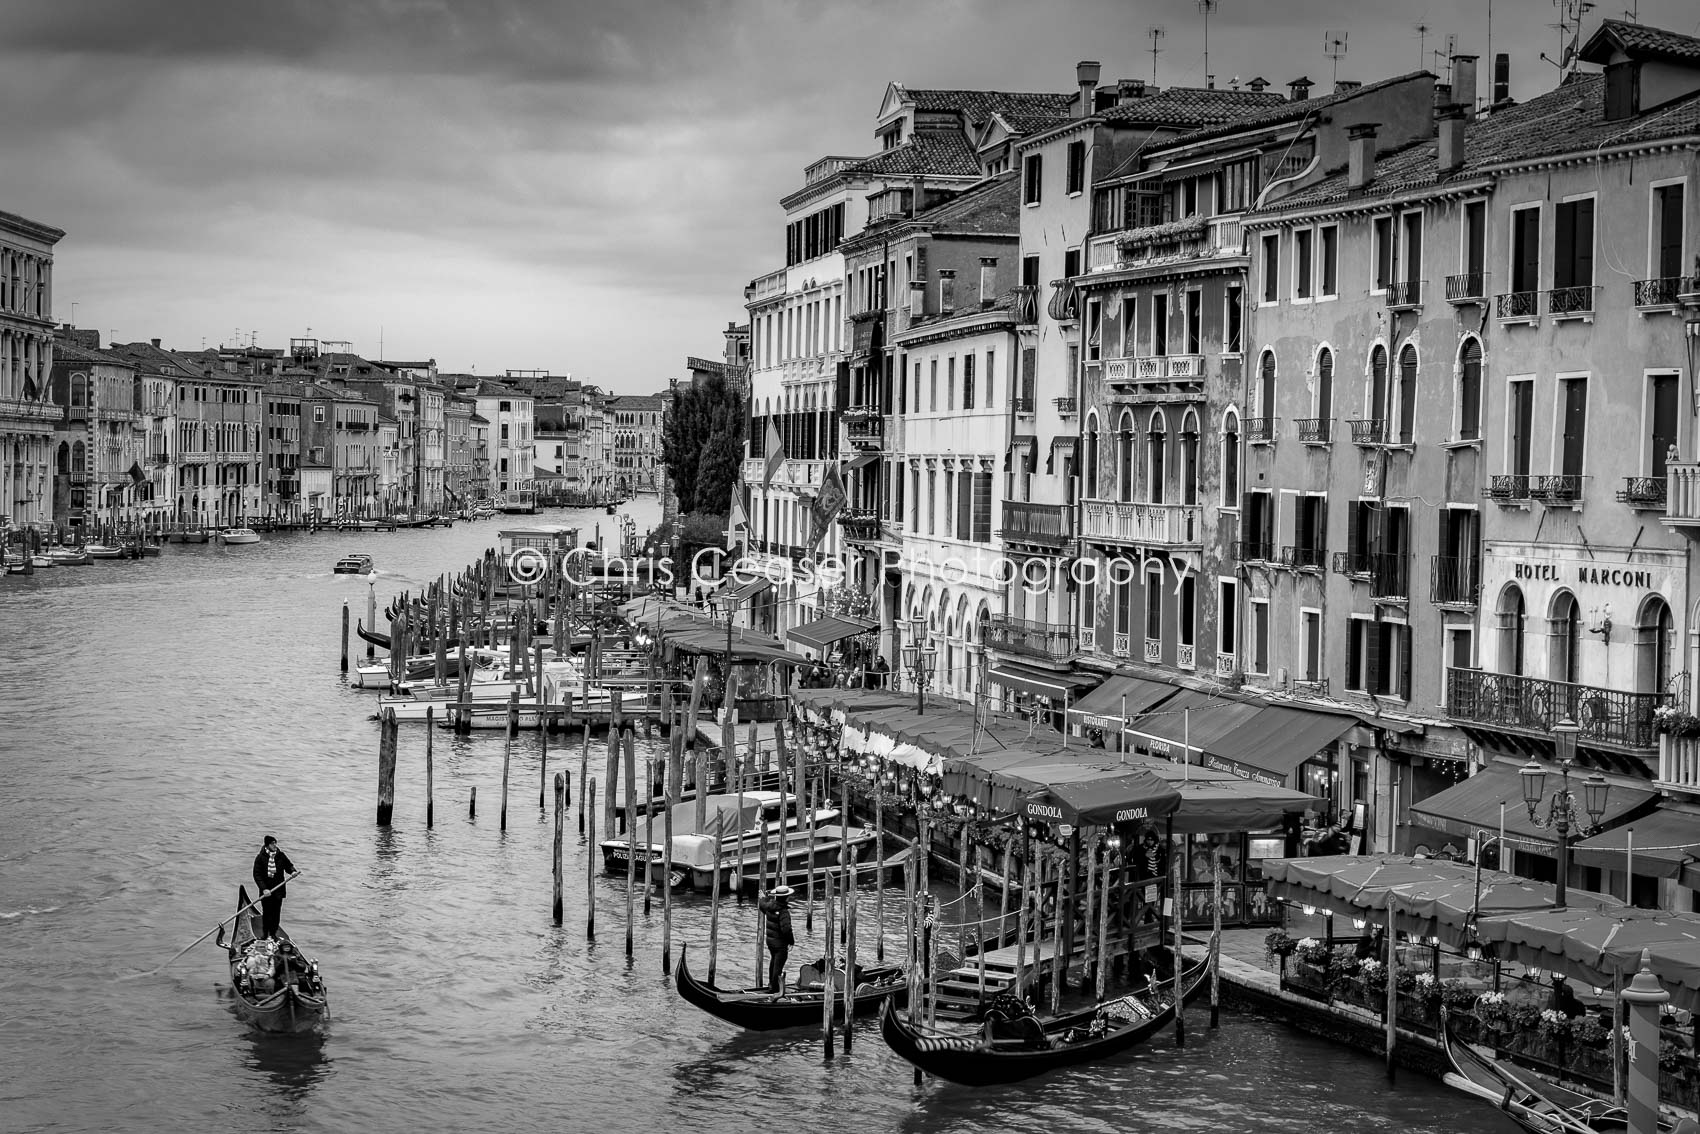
{"x": 480, "y": 419}
{"x": 634, "y": 402}
{"x": 991, "y": 207}
{"x": 1192, "y": 106}
{"x": 1567, "y": 119}
{"x": 65, "y": 351}
{"x": 977, "y": 106}
{"x": 1638, "y": 41}
{"x": 1287, "y": 110}
{"x": 945, "y": 153}
{"x": 146, "y": 354}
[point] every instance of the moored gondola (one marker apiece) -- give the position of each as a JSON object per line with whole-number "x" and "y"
{"x": 1535, "y": 1105}
{"x": 1011, "y": 1046}
{"x": 799, "y": 1006}
{"x": 277, "y": 988}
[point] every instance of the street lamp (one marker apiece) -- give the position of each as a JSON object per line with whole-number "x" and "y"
{"x": 918, "y": 659}
{"x": 1562, "y": 811}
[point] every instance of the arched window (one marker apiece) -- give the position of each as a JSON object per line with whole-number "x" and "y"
{"x": 1231, "y": 459}
{"x": 1091, "y": 442}
{"x": 1153, "y": 607}
{"x": 1324, "y": 391}
{"x": 79, "y": 389}
{"x": 1266, "y": 388}
{"x": 1564, "y": 639}
{"x": 1378, "y": 392}
{"x": 1470, "y": 390}
{"x": 1157, "y": 442}
{"x": 1655, "y": 641}
{"x": 1124, "y": 457}
{"x": 1407, "y": 393}
{"x": 1511, "y": 616}
{"x": 79, "y": 458}
{"x": 1189, "y": 458}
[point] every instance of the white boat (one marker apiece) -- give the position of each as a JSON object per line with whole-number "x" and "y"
{"x": 411, "y": 705}
{"x": 239, "y": 535}
{"x": 70, "y": 557}
{"x": 697, "y": 854}
{"x": 42, "y": 562}
{"x": 103, "y": 551}
{"x": 356, "y": 564}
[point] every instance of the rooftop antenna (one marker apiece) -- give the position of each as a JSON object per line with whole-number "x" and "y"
{"x": 1569, "y": 26}
{"x": 1155, "y": 34}
{"x": 1444, "y": 57}
{"x": 1422, "y": 44}
{"x": 73, "y": 314}
{"x": 1206, "y": 6}
{"x": 1334, "y": 46}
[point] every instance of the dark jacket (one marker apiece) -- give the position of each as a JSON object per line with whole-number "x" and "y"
{"x": 270, "y": 869}
{"x": 778, "y": 916}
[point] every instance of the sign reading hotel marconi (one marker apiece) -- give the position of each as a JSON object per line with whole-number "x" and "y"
{"x": 1606, "y": 574}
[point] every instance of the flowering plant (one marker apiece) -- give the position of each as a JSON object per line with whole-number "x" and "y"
{"x": 1491, "y": 1009}
{"x": 1672, "y": 1055}
{"x": 1373, "y": 970}
{"x": 1406, "y": 981}
{"x": 1278, "y": 944}
{"x": 1588, "y": 1030}
{"x": 1553, "y": 1023}
{"x": 1676, "y": 721}
{"x": 1457, "y": 995}
{"x": 1312, "y": 951}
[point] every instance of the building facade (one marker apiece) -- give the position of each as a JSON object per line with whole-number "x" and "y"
{"x": 27, "y": 417}
{"x": 634, "y": 424}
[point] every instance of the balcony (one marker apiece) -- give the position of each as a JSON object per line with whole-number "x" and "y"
{"x": 1154, "y": 368}
{"x": 1509, "y": 488}
{"x": 1302, "y": 558}
{"x": 1040, "y": 640}
{"x": 1560, "y": 490}
{"x": 1369, "y": 431}
{"x": 1067, "y": 407}
{"x": 1186, "y": 655}
{"x": 1123, "y": 647}
{"x": 1315, "y": 430}
{"x": 1258, "y": 430}
{"x": 1518, "y": 307}
{"x": 1646, "y": 492}
{"x": 1153, "y": 651}
{"x": 161, "y": 460}
{"x": 1046, "y": 525}
{"x": 1186, "y": 367}
{"x": 1025, "y": 300}
{"x": 1404, "y": 295}
{"x": 1572, "y": 302}
{"x": 860, "y": 523}
{"x": 1159, "y": 525}
{"x": 1466, "y": 287}
{"x": 1661, "y": 294}
{"x": 1679, "y": 763}
{"x": 18, "y": 409}
{"x": 1227, "y": 665}
{"x": 1454, "y": 581}
{"x": 867, "y": 433}
{"x": 1256, "y": 550}
{"x": 1387, "y": 573}
{"x": 1021, "y": 405}
{"x": 1532, "y": 706}
{"x": 76, "y": 413}
{"x": 1064, "y": 305}
{"x": 1682, "y": 496}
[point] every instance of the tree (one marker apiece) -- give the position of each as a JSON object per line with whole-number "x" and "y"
{"x": 717, "y": 467}
{"x": 702, "y": 443}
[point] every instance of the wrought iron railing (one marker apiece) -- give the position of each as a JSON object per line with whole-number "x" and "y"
{"x": 1534, "y": 705}
{"x": 1518, "y": 305}
{"x": 1022, "y": 405}
{"x": 1294, "y": 555}
{"x": 1028, "y": 638}
{"x": 1457, "y": 581}
{"x": 868, "y": 431}
{"x": 1062, "y": 305}
{"x": 1405, "y": 293}
{"x": 1256, "y": 550}
{"x": 1037, "y": 523}
{"x": 1508, "y": 487}
{"x": 1368, "y": 431}
{"x": 1662, "y": 292}
{"x": 1558, "y": 490}
{"x": 1315, "y": 430}
{"x": 1066, "y": 406}
{"x": 1642, "y": 491}
{"x": 1466, "y": 287}
{"x": 1258, "y": 430}
{"x": 1025, "y": 300}
{"x": 1576, "y": 300}
{"x": 1387, "y": 573}
{"x": 860, "y": 523}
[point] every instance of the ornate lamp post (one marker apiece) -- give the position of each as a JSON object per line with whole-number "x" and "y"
{"x": 918, "y": 659}
{"x": 1562, "y": 811}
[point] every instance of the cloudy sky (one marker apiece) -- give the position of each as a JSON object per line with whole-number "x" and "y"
{"x": 562, "y": 184}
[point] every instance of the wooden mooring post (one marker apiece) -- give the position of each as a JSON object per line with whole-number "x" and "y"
{"x": 508, "y": 751}
{"x": 387, "y": 735}
{"x": 560, "y": 832}
{"x": 430, "y": 768}
{"x": 345, "y": 635}
{"x": 590, "y": 869}
{"x": 630, "y": 739}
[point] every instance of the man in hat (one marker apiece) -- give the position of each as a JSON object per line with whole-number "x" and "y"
{"x": 775, "y": 905}
{"x": 272, "y": 869}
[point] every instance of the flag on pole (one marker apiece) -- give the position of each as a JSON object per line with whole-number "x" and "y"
{"x": 737, "y": 522}
{"x": 828, "y": 504}
{"x": 775, "y": 453}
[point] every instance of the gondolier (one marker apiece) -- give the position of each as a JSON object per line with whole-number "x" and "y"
{"x": 272, "y": 869}
{"x": 775, "y": 905}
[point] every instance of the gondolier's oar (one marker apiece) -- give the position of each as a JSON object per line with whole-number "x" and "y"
{"x": 221, "y": 924}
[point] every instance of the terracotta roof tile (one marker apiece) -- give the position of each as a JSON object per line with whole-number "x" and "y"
{"x": 1638, "y": 41}
{"x": 1284, "y": 110}
{"x": 978, "y": 106}
{"x": 1193, "y": 106}
{"x": 942, "y": 152}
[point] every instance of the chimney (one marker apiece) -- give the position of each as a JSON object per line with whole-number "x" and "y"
{"x": 1452, "y": 138}
{"x": 1129, "y": 89}
{"x": 1299, "y": 89}
{"x": 155, "y": 342}
{"x": 1360, "y": 160}
{"x": 1344, "y": 86}
{"x": 1501, "y": 78}
{"x": 1442, "y": 97}
{"x": 1464, "y": 83}
{"x": 1257, "y": 85}
{"x": 1086, "y": 78}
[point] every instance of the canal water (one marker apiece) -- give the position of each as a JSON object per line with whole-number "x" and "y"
{"x": 158, "y": 718}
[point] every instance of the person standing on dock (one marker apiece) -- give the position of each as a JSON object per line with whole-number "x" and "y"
{"x": 775, "y": 905}
{"x": 272, "y": 869}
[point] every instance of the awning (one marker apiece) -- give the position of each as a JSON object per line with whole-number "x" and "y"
{"x": 823, "y": 632}
{"x": 1130, "y": 796}
{"x": 1040, "y": 682}
{"x": 1278, "y": 739}
{"x": 745, "y": 591}
{"x": 1473, "y": 805}
{"x": 1169, "y": 732}
{"x": 1103, "y": 707}
{"x": 1657, "y": 844}
{"x": 861, "y": 460}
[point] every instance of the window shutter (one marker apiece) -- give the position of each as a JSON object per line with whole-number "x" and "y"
{"x": 1373, "y": 677}
{"x": 1564, "y": 246}
{"x": 1029, "y": 372}
{"x": 964, "y": 505}
{"x": 982, "y": 507}
{"x": 1404, "y": 690}
{"x": 1583, "y": 275}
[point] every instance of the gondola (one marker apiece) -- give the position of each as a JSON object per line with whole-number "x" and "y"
{"x": 1009, "y": 1049}
{"x": 761, "y": 1011}
{"x": 1535, "y": 1105}
{"x": 277, "y": 987}
{"x": 382, "y": 641}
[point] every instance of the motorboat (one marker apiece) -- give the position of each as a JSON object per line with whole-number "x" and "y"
{"x": 103, "y": 551}
{"x": 239, "y": 535}
{"x": 731, "y": 841}
{"x": 70, "y": 557}
{"x": 484, "y": 695}
{"x": 42, "y": 562}
{"x": 355, "y": 564}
